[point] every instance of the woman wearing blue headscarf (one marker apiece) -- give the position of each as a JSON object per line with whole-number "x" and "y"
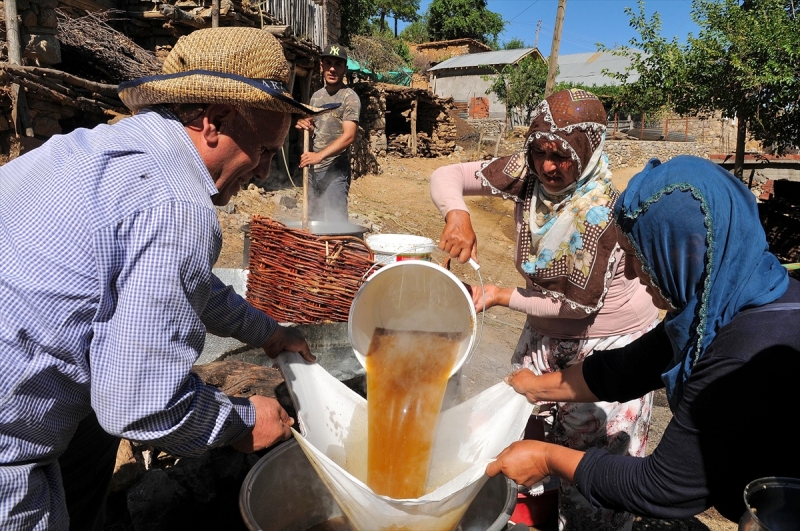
{"x": 727, "y": 354}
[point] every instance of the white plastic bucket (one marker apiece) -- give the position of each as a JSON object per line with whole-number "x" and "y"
{"x": 390, "y": 248}
{"x": 412, "y": 295}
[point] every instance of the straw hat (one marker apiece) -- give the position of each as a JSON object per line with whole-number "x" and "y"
{"x": 232, "y": 65}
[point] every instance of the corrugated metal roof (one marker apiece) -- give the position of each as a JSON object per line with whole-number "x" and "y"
{"x": 587, "y": 68}
{"x": 584, "y": 68}
{"x": 500, "y": 57}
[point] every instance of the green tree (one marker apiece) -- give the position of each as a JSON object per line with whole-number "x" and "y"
{"x": 456, "y": 19}
{"x": 405, "y": 10}
{"x": 355, "y": 18}
{"x": 416, "y": 32}
{"x": 514, "y": 44}
{"x": 521, "y": 85}
{"x": 745, "y": 63}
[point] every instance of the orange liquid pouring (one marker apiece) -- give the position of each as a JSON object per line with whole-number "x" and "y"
{"x": 407, "y": 375}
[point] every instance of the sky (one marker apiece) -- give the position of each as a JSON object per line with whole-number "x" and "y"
{"x": 586, "y": 22}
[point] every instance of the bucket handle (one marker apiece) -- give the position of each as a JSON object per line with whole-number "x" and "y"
{"x": 477, "y": 267}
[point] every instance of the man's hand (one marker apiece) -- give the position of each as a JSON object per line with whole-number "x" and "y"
{"x": 310, "y": 158}
{"x": 305, "y": 123}
{"x": 287, "y": 338}
{"x": 272, "y": 426}
{"x": 458, "y": 239}
{"x": 491, "y": 295}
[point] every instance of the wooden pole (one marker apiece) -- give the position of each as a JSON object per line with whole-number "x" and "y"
{"x": 306, "y": 147}
{"x": 215, "y": 14}
{"x": 19, "y": 106}
{"x": 642, "y": 128}
{"x": 552, "y": 63}
{"x": 686, "y": 130}
{"x": 414, "y": 106}
{"x": 616, "y": 121}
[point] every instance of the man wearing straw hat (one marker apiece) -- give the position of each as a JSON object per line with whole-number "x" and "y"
{"x": 107, "y": 241}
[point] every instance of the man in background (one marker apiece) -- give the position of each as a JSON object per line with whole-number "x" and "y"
{"x": 329, "y": 182}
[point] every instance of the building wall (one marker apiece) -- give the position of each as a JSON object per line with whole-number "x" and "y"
{"x": 333, "y": 20}
{"x": 468, "y": 85}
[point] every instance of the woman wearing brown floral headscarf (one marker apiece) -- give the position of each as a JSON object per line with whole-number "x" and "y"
{"x": 576, "y": 296}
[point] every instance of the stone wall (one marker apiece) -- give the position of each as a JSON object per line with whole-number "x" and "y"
{"x": 489, "y": 126}
{"x": 635, "y": 153}
{"x": 38, "y": 27}
{"x": 438, "y": 52}
{"x": 718, "y": 133}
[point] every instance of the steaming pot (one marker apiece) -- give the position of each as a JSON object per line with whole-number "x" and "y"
{"x": 283, "y": 492}
{"x": 772, "y": 504}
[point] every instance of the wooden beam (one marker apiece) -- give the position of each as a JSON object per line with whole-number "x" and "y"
{"x": 414, "y": 106}
{"x": 279, "y": 30}
{"x": 85, "y": 5}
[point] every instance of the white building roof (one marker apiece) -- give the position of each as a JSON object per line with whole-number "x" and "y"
{"x": 471, "y": 60}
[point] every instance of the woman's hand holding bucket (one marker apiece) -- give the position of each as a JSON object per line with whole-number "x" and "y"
{"x": 458, "y": 239}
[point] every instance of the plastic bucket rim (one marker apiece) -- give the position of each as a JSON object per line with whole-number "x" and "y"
{"x": 418, "y": 263}
{"x": 425, "y": 244}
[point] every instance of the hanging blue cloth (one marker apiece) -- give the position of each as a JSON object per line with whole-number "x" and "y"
{"x": 696, "y": 230}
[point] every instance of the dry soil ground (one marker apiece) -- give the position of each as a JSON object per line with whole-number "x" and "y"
{"x": 398, "y": 201}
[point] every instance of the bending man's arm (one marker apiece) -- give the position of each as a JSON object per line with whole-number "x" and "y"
{"x": 148, "y": 334}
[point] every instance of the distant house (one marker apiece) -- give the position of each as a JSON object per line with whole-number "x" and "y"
{"x": 587, "y": 68}
{"x": 461, "y": 78}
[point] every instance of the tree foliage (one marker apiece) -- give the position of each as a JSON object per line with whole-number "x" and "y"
{"x": 456, "y": 19}
{"x": 416, "y": 32}
{"x": 405, "y": 10}
{"x": 521, "y": 85}
{"x": 355, "y": 19}
{"x": 515, "y": 44}
{"x": 745, "y": 63}
{"x": 379, "y": 53}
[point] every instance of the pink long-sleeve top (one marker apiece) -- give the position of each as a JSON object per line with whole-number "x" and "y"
{"x": 627, "y": 307}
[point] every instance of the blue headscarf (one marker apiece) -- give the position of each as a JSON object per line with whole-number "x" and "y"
{"x": 696, "y": 230}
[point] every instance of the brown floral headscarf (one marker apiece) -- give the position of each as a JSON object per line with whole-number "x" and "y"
{"x": 566, "y": 241}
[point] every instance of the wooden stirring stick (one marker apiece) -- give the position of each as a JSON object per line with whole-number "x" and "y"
{"x": 306, "y": 146}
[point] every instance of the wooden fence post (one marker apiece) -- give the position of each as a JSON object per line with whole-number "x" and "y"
{"x": 19, "y": 106}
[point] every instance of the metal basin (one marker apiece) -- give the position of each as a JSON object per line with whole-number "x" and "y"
{"x": 773, "y": 504}
{"x": 283, "y": 492}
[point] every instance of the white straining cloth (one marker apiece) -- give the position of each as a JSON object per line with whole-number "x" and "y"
{"x": 333, "y": 423}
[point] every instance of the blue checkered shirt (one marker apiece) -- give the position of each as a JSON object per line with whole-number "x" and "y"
{"x": 107, "y": 241}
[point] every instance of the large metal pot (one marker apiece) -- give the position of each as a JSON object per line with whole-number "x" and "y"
{"x": 283, "y": 492}
{"x": 772, "y": 504}
{"x": 330, "y": 228}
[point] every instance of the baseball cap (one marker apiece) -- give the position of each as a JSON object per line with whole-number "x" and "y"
{"x": 334, "y": 50}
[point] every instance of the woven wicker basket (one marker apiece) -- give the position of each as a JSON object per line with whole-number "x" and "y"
{"x": 299, "y": 277}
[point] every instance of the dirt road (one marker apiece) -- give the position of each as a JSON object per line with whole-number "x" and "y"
{"x": 398, "y": 201}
